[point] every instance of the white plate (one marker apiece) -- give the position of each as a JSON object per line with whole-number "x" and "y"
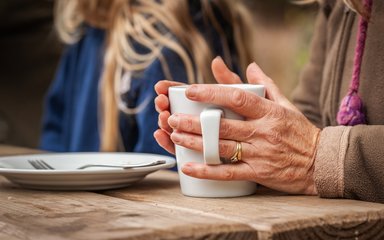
{"x": 17, "y": 169}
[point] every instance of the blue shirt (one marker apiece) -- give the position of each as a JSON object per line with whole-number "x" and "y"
{"x": 71, "y": 122}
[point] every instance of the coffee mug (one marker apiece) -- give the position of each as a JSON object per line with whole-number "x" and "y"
{"x": 210, "y": 124}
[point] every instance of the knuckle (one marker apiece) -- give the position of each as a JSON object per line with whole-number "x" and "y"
{"x": 192, "y": 143}
{"x": 203, "y": 171}
{"x": 274, "y": 137}
{"x": 225, "y": 129}
{"x": 225, "y": 150}
{"x": 229, "y": 174}
{"x": 187, "y": 124}
{"x": 239, "y": 98}
{"x": 210, "y": 95}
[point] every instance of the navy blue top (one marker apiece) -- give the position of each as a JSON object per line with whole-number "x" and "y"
{"x": 71, "y": 122}
{"x": 71, "y": 111}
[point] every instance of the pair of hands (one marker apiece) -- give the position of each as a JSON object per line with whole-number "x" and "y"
{"x": 278, "y": 141}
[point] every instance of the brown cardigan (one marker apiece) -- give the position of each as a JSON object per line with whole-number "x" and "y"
{"x": 349, "y": 162}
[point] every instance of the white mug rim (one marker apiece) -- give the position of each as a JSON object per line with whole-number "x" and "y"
{"x": 244, "y": 86}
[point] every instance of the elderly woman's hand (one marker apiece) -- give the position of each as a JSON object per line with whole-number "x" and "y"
{"x": 222, "y": 75}
{"x": 278, "y": 142}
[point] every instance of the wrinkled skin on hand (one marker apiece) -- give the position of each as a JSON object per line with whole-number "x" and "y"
{"x": 278, "y": 141}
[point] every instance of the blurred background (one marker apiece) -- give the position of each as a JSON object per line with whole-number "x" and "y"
{"x": 30, "y": 52}
{"x": 283, "y": 35}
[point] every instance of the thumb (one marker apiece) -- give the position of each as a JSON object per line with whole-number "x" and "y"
{"x": 222, "y": 73}
{"x": 256, "y": 76}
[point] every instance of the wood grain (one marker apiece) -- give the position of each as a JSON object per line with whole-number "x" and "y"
{"x": 156, "y": 209}
{"x": 85, "y": 215}
{"x": 272, "y": 214}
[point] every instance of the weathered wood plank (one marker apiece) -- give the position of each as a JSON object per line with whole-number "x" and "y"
{"x": 274, "y": 215}
{"x": 156, "y": 209}
{"x": 27, "y": 214}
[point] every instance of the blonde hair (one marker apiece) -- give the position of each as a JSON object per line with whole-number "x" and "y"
{"x": 156, "y": 25}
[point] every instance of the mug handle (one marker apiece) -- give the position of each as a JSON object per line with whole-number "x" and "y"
{"x": 210, "y": 125}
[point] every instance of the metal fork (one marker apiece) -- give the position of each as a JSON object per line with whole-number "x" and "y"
{"x": 42, "y": 165}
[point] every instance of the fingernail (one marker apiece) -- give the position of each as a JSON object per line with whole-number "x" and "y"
{"x": 219, "y": 58}
{"x": 254, "y": 67}
{"x": 173, "y": 121}
{"x": 175, "y": 137}
{"x": 187, "y": 169}
{"x": 191, "y": 91}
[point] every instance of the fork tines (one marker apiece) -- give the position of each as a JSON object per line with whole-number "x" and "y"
{"x": 40, "y": 164}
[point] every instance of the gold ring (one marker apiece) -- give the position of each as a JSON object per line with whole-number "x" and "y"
{"x": 237, "y": 155}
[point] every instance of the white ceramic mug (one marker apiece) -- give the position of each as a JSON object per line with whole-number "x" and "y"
{"x": 210, "y": 123}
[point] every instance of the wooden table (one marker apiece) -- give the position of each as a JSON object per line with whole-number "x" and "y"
{"x": 155, "y": 209}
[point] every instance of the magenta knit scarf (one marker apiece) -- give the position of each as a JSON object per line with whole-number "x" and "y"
{"x": 351, "y": 110}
